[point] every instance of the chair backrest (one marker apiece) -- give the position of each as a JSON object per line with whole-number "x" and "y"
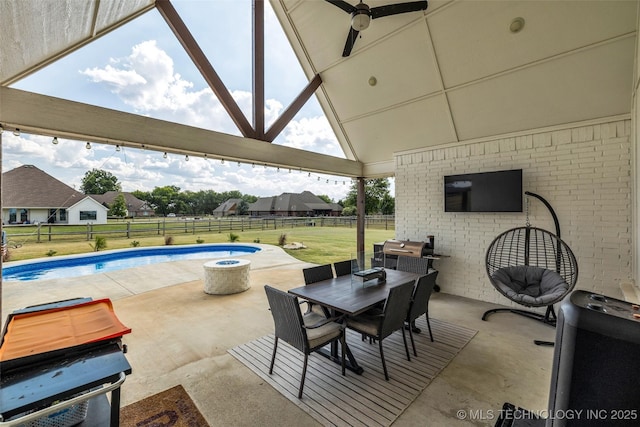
{"x": 421, "y": 294}
{"x": 287, "y": 317}
{"x": 342, "y": 268}
{"x": 396, "y": 308}
{"x": 413, "y": 264}
{"x": 316, "y": 274}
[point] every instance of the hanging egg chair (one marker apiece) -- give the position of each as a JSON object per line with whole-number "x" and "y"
{"x": 531, "y": 267}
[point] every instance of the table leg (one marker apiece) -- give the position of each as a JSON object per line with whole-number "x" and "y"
{"x": 333, "y": 355}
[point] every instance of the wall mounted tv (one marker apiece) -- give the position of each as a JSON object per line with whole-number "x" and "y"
{"x": 499, "y": 191}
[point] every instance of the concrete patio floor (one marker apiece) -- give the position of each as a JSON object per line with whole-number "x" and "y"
{"x": 180, "y": 335}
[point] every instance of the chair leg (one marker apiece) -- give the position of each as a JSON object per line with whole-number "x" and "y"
{"x": 343, "y": 343}
{"x": 304, "y": 373}
{"x": 384, "y": 365}
{"x": 413, "y": 344}
{"x": 429, "y": 326}
{"x": 406, "y": 347}
{"x": 273, "y": 357}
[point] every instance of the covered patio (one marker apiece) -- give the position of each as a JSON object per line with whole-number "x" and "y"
{"x": 463, "y": 86}
{"x": 182, "y": 336}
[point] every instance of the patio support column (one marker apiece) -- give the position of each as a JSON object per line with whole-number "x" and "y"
{"x": 360, "y": 216}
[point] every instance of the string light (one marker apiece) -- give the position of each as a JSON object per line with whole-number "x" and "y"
{"x": 165, "y": 155}
{"x": 16, "y": 132}
{"x": 238, "y": 164}
{"x": 117, "y": 148}
{"x": 205, "y": 156}
{"x": 1, "y": 129}
{"x": 253, "y": 165}
{"x": 88, "y": 146}
{"x": 222, "y": 161}
{"x": 54, "y": 141}
{"x": 186, "y": 158}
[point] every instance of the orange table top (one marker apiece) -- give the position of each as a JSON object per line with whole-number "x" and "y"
{"x": 37, "y": 332}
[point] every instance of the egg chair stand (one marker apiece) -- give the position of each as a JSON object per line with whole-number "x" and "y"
{"x": 531, "y": 267}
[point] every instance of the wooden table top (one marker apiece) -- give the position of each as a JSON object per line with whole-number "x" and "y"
{"x": 348, "y": 295}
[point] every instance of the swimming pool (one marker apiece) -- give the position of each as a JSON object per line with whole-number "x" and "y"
{"x": 85, "y": 264}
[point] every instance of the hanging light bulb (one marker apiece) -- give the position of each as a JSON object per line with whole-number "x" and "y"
{"x": 164, "y": 155}
{"x": 238, "y": 164}
{"x": 309, "y": 176}
{"x": 16, "y": 132}
{"x": 186, "y": 158}
{"x": 117, "y": 148}
{"x": 222, "y": 161}
{"x": 88, "y": 145}
{"x": 318, "y": 178}
{"x": 253, "y": 165}
{"x": 327, "y": 181}
{"x": 278, "y": 169}
{"x": 142, "y": 146}
{"x": 54, "y": 141}
{"x": 205, "y": 156}
{"x": 289, "y": 170}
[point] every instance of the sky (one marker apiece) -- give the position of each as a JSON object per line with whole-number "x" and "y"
{"x": 141, "y": 68}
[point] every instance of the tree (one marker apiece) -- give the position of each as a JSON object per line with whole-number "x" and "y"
{"x": 119, "y": 207}
{"x": 376, "y": 191}
{"x": 325, "y": 198}
{"x": 165, "y": 199}
{"x": 97, "y": 181}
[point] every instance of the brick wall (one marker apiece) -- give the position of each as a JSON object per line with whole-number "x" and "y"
{"x": 584, "y": 172}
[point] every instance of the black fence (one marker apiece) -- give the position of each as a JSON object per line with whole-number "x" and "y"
{"x": 161, "y": 227}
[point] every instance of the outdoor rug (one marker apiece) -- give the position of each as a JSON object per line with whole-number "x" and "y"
{"x": 358, "y": 400}
{"x": 172, "y": 407}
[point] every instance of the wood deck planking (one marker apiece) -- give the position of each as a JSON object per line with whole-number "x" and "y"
{"x": 358, "y": 400}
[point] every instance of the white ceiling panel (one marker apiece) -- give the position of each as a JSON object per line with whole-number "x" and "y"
{"x": 405, "y": 127}
{"x": 32, "y": 33}
{"x": 480, "y": 43}
{"x": 586, "y": 85}
{"x": 407, "y": 71}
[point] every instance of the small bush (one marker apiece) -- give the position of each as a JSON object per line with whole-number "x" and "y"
{"x": 199, "y": 240}
{"x": 99, "y": 243}
{"x": 51, "y": 252}
{"x": 282, "y": 240}
{"x": 233, "y": 237}
{"x": 6, "y": 256}
{"x": 135, "y": 244}
{"x": 168, "y": 240}
{"x": 256, "y": 240}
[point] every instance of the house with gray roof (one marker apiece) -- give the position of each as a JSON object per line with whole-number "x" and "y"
{"x": 135, "y": 207}
{"x": 228, "y": 208}
{"x": 30, "y": 195}
{"x": 294, "y": 204}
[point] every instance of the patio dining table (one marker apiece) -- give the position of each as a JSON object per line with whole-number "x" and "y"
{"x": 348, "y": 295}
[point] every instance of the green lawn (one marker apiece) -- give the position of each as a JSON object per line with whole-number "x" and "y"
{"x": 324, "y": 244}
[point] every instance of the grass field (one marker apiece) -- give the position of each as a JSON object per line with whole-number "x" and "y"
{"x": 324, "y": 244}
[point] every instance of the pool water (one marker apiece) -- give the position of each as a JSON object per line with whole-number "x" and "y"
{"x": 82, "y": 265}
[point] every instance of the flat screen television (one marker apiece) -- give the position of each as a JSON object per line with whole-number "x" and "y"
{"x": 499, "y": 191}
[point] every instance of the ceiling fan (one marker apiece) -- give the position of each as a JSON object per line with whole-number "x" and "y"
{"x": 362, "y": 14}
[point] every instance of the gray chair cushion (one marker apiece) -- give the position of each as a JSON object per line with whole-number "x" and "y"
{"x": 531, "y": 286}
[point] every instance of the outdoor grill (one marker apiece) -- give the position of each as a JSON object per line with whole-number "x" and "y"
{"x": 408, "y": 248}
{"x": 386, "y": 254}
{"x": 58, "y": 361}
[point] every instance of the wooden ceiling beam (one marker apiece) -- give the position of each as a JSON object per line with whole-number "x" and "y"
{"x": 198, "y": 57}
{"x": 258, "y": 68}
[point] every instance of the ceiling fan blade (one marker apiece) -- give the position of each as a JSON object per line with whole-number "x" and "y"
{"x": 343, "y": 5}
{"x": 351, "y": 39}
{"x": 394, "y": 9}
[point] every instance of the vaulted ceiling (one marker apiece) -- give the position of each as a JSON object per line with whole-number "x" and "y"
{"x": 453, "y": 73}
